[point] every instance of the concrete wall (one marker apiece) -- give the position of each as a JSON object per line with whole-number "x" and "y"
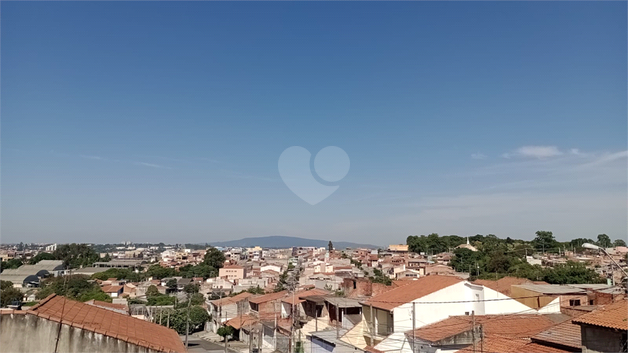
{"x": 598, "y": 339}
{"x": 29, "y": 333}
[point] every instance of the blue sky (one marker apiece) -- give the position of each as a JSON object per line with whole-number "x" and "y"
{"x": 164, "y": 121}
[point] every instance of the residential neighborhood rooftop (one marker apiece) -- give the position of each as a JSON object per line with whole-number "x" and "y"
{"x": 613, "y": 316}
{"x": 106, "y": 322}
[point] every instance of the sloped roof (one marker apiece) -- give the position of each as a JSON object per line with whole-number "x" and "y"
{"x": 413, "y": 290}
{"x": 502, "y": 285}
{"x": 244, "y": 321}
{"x": 112, "y": 289}
{"x": 268, "y": 297}
{"x": 231, "y": 300}
{"x": 613, "y": 316}
{"x": 107, "y": 322}
{"x": 343, "y": 302}
{"x": 298, "y": 297}
{"x": 105, "y": 305}
{"x": 508, "y": 345}
{"x": 513, "y": 326}
{"x": 564, "y": 334}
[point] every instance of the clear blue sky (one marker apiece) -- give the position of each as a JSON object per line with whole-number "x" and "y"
{"x": 164, "y": 121}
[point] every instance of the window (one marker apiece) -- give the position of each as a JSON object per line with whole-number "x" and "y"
{"x": 574, "y": 302}
{"x": 590, "y": 302}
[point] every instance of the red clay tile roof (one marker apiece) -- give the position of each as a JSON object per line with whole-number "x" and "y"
{"x": 112, "y": 289}
{"x": 268, "y": 297}
{"x": 496, "y": 344}
{"x": 231, "y": 300}
{"x": 512, "y": 326}
{"x": 244, "y": 321}
{"x": 107, "y": 305}
{"x": 565, "y": 334}
{"x": 611, "y": 316}
{"x": 109, "y": 323}
{"x": 304, "y": 294}
{"x": 413, "y": 290}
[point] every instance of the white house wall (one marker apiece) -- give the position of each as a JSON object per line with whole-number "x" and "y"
{"x": 504, "y": 304}
{"x": 458, "y": 299}
{"x": 552, "y": 307}
{"x": 429, "y": 313}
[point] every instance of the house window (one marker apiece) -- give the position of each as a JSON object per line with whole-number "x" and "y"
{"x": 574, "y": 302}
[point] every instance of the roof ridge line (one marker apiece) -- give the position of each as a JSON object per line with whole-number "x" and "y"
{"x": 43, "y": 301}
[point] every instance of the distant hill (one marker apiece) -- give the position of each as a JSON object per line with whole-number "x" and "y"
{"x": 277, "y": 241}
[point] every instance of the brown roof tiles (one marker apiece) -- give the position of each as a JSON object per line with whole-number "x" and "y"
{"x": 413, "y": 290}
{"x": 613, "y": 316}
{"x": 232, "y": 300}
{"x": 496, "y": 344}
{"x": 566, "y": 334}
{"x": 108, "y": 323}
{"x": 268, "y": 297}
{"x": 513, "y": 326}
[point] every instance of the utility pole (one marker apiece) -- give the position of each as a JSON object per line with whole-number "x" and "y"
{"x": 337, "y": 322}
{"x": 481, "y": 338}
{"x": 259, "y": 341}
{"x": 275, "y": 328}
{"x": 413, "y": 325}
{"x": 372, "y": 325}
{"x": 187, "y": 324}
{"x": 250, "y": 339}
{"x": 473, "y": 330}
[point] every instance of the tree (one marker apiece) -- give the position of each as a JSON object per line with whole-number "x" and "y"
{"x": 76, "y": 255}
{"x": 604, "y": 241}
{"x": 171, "y": 285}
{"x": 571, "y": 273}
{"x": 159, "y": 272}
{"x": 380, "y": 277}
{"x": 499, "y": 262}
{"x": 330, "y": 246}
{"x": 77, "y": 287}
{"x": 152, "y": 291}
{"x": 119, "y": 273}
{"x": 178, "y": 319}
{"x": 465, "y": 260}
{"x": 8, "y": 294}
{"x": 5, "y": 285}
{"x": 256, "y": 290}
{"x": 577, "y": 243}
{"x": 160, "y": 300}
{"x": 196, "y": 299}
{"x": 619, "y": 242}
{"x": 191, "y": 288}
{"x": 214, "y": 258}
{"x": 545, "y": 241}
{"x": 12, "y": 263}
{"x": 42, "y": 256}
{"x": 200, "y": 270}
{"x": 225, "y": 332}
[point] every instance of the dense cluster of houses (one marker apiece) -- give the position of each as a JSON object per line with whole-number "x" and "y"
{"x": 313, "y": 300}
